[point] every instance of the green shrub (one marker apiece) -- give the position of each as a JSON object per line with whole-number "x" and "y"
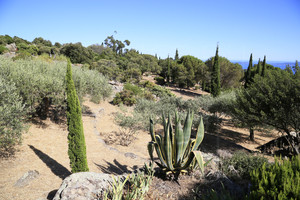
{"x": 134, "y": 88}
{"x": 280, "y": 180}
{"x": 11, "y": 118}
{"x": 136, "y": 185}
{"x": 244, "y": 163}
{"x": 2, "y": 49}
{"x": 160, "y": 80}
{"x": 37, "y": 80}
{"x": 125, "y": 97}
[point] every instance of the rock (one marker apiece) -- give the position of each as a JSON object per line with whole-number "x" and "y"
{"x": 11, "y": 47}
{"x": 27, "y": 178}
{"x": 84, "y": 186}
{"x": 130, "y": 155}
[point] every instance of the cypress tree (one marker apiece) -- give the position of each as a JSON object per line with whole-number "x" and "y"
{"x": 215, "y": 76}
{"x": 258, "y": 69}
{"x": 263, "y": 71}
{"x": 176, "y": 55}
{"x": 248, "y": 73}
{"x": 77, "y": 148}
{"x": 169, "y": 71}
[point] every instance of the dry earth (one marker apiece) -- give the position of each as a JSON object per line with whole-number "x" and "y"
{"x": 44, "y": 149}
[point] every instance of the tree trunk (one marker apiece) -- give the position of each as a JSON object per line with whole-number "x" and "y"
{"x": 251, "y": 134}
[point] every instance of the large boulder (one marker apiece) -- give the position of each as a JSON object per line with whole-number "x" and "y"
{"x": 84, "y": 186}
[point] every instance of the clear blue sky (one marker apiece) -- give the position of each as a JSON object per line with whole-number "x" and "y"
{"x": 194, "y": 27}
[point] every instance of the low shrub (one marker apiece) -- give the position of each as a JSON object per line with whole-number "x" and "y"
{"x": 2, "y": 49}
{"x": 241, "y": 164}
{"x": 280, "y": 180}
{"x": 38, "y": 81}
{"x": 12, "y": 117}
{"x": 125, "y": 97}
{"x": 133, "y": 88}
{"x": 160, "y": 80}
{"x": 134, "y": 186}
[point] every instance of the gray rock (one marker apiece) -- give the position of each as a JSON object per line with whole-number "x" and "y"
{"x": 11, "y": 47}
{"x": 130, "y": 155}
{"x": 27, "y": 178}
{"x": 84, "y": 186}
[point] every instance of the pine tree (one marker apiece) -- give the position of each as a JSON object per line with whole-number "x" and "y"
{"x": 77, "y": 148}
{"x": 176, "y": 55}
{"x": 263, "y": 71}
{"x": 248, "y": 73}
{"x": 258, "y": 69}
{"x": 215, "y": 76}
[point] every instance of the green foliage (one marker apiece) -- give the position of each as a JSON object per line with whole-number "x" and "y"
{"x": 175, "y": 149}
{"x": 230, "y": 74}
{"x": 160, "y": 80}
{"x": 244, "y": 163}
{"x": 280, "y": 180}
{"x": 77, "y": 53}
{"x": 36, "y": 80}
{"x": 77, "y": 148}
{"x": 125, "y": 97}
{"x": 215, "y": 76}
{"x": 136, "y": 185}
{"x": 273, "y": 100}
{"x": 2, "y": 49}
{"x": 12, "y": 116}
{"x": 134, "y": 88}
{"x": 6, "y": 39}
{"x": 248, "y": 75}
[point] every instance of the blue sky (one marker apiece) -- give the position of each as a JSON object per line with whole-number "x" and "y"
{"x": 194, "y": 27}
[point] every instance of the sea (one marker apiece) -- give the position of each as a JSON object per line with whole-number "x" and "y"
{"x": 280, "y": 64}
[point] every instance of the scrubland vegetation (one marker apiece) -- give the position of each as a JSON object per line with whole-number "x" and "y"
{"x": 33, "y": 84}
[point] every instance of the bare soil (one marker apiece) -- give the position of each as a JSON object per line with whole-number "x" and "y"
{"x": 45, "y": 146}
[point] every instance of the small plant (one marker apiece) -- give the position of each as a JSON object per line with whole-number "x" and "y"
{"x": 176, "y": 150}
{"x": 123, "y": 137}
{"x": 136, "y": 185}
{"x": 243, "y": 164}
{"x": 125, "y": 97}
{"x": 280, "y": 180}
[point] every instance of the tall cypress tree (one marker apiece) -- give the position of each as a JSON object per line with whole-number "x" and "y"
{"x": 263, "y": 70}
{"x": 169, "y": 71}
{"x": 248, "y": 73}
{"x": 215, "y": 76}
{"x": 176, "y": 55}
{"x": 258, "y": 69}
{"x": 77, "y": 148}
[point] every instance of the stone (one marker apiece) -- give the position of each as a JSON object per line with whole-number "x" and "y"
{"x": 27, "y": 178}
{"x": 130, "y": 155}
{"x": 85, "y": 186}
{"x": 11, "y": 47}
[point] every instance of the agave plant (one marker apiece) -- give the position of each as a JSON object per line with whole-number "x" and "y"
{"x": 176, "y": 150}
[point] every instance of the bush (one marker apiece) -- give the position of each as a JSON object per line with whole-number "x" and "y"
{"x": 2, "y": 49}
{"x": 11, "y": 118}
{"x": 39, "y": 82}
{"x": 280, "y": 180}
{"x": 243, "y": 163}
{"x": 160, "y": 80}
{"x": 134, "y": 88}
{"x": 125, "y": 97}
